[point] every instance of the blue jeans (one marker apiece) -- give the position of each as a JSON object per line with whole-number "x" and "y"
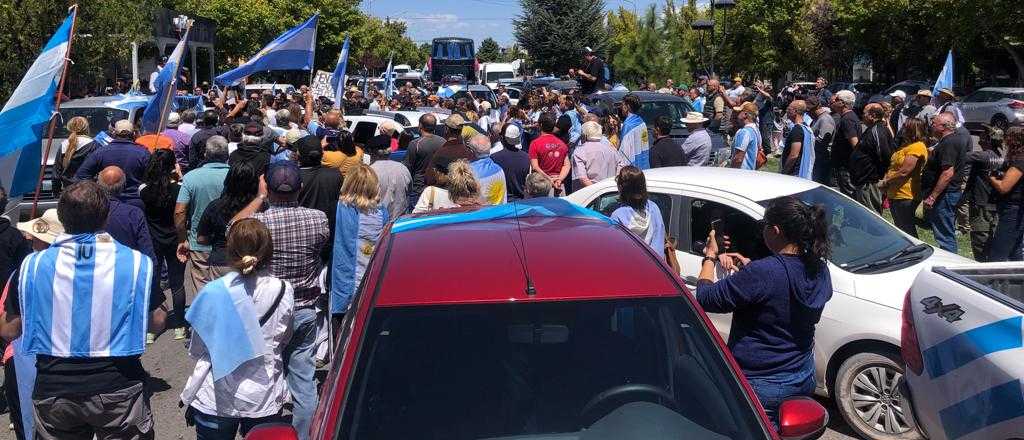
{"x": 1006, "y": 242}
{"x": 773, "y": 390}
{"x": 226, "y": 428}
{"x": 299, "y": 369}
{"x": 943, "y": 219}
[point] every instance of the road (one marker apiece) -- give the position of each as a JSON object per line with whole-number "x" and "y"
{"x": 168, "y": 364}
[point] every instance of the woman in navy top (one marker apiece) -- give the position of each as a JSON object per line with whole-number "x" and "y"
{"x": 775, "y": 301}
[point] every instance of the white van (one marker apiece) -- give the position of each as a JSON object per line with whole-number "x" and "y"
{"x": 490, "y": 73}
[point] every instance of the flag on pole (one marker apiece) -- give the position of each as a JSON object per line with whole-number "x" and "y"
{"x": 945, "y": 78}
{"x": 292, "y": 50}
{"x": 27, "y": 112}
{"x": 389, "y": 80}
{"x": 338, "y": 78}
{"x": 155, "y": 115}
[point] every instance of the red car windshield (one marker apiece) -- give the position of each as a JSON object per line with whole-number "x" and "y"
{"x": 631, "y": 369}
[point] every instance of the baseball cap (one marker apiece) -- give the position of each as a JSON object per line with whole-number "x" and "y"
{"x": 454, "y": 121}
{"x": 173, "y": 120}
{"x": 124, "y": 127}
{"x": 292, "y": 136}
{"x": 513, "y": 132}
{"x": 283, "y": 177}
{"x": 899, "y": 94}
{"x": 588, "y": 50}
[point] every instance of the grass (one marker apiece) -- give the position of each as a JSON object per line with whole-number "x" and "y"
{"x": 924, "y": 231}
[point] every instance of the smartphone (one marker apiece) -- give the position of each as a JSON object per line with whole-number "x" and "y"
{"x": 716, "y": 225}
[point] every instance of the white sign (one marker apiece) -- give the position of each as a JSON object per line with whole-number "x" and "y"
{"x": 322, "y": 85}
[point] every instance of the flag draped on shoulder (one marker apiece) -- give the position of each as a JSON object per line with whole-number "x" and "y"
{"x": 27, "y": 112}
{"x": 355, "y": 238}
{"x": 155, "y": 115}
{"x": 634, "y": 143}
{"x": 807, "y": 158}
{"x": 85, "y": 296}
{"x": 292, "y": 50}
{"x": 492, "y": 181}
{"x": 224, "y": 316}
{"x": 338, "y": 77}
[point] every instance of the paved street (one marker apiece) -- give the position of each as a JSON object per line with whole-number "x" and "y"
{"x": 168, "y": 363}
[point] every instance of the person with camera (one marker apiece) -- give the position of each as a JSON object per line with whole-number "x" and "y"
{"x": 981, "y": 203}
{"x": 776, "y": 301}
{"x": 1007, "y": 241}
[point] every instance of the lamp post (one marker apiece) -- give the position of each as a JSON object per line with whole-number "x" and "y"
{"x": 704, "y": 25}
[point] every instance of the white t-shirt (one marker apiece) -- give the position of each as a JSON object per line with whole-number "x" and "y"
{"x": 258, "y": 387}
{"x": 433, "y": 198}
{"x": 82, "y": 140}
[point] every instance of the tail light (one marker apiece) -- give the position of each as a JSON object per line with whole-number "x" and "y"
{"x": 1017, "y": 105}
{"x": 909, "y": 345}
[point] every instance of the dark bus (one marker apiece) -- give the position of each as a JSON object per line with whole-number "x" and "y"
{"x": 452, "y": 56}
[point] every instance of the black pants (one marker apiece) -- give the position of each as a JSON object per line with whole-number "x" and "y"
{"x": 11, "y": 394}
{"x": 1006, "y": 242}
{"x": 903, "y": 215}
{"x": 166, "y": 255}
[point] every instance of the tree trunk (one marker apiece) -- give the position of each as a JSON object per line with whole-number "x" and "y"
{"x": 1018, "y": 60}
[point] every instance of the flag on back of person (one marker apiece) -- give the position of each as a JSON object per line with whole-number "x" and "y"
{"x": 492, "y": 181}
{"x": 357, "y": 235}
{"x": 945, "y": 78}
{"x": 159, "y": 107}
{"x": 27, "y": 112}
{"x": 633, "y": 142}
{"x": 338, "y": 77}
{"x": 224, "y": 316}
{"x": 292, "y": 50}
{"x": 85, "y": 296}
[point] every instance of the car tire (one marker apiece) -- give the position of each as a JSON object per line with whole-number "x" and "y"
{"x": 869, "y": 399}
{"x": 1000, "y": 122}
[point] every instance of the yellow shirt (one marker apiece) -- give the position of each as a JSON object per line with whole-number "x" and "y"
{"x": 337, "y": 159}
{"x": 908, "y": 188}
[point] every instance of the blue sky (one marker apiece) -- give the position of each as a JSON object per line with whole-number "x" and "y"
{"x": 476, "y": 19}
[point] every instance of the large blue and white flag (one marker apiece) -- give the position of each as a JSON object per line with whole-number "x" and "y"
{"x": 389, "y": 79}
{"x": 338, "y": 77}
{"x": 355, "y": 237}
{"x": 292, "y": 50}
{"x": 492, "y": 181}
{"x": 159, "y": 107}
{"x": 85, "y": 296}
{"x": 945, "y": 78}
{"x": 224, "y": 316}
{"x": 28, "y": 111}
{"x": 634, "y": 142}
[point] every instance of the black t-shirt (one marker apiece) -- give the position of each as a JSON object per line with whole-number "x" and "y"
{"x": 667, "y": 153}
{"x": 321, "y": 187}
{"x": 948, "y": 153}
{"x": 417, "y": 159}
{"x": 595, "y": 68}
{"x": 979, "y": 191}
{"x": 796, "y": 135}
{"x": 77, "y": 377}
{"x": 866, "y": 163}
{"x": 160, "y": 214}
{"x": 847, "y": 127}
{"x": 258, "y": 156}
{"x": 13, "y": 248}
{"x": 516, "y": 165}
{"x": 1016, "y": 194}
{"x": 214, "y": 226}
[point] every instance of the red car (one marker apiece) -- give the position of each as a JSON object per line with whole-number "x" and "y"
{"x": 534, "y": 320}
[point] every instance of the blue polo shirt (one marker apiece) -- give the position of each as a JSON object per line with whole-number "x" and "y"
{"x": 130, "y": 157}
{"x": 199, "y": 187}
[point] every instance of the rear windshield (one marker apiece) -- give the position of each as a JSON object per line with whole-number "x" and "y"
{"x": 674, "y": 111}
{"x": 452, "y": 50}
{"x": 616, "y": 369}
{"x": 99, "y": 119}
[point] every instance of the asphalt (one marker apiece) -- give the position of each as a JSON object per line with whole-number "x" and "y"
{"x": 169, "y": 366}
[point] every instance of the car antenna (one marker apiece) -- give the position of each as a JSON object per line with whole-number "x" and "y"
{"x": 531, "y": 290}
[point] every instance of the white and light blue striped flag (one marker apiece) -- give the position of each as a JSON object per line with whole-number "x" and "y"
{"x": 634, "y": 142}
{"x": 85, "y": 296}
{"x": 338, "y": 77}
{"x": 355, "y": 239}
{"x": 389, "y": 80}
{"x": 27, "y": 112}
{"x": 292, "y": 50}
{"x": 945, "y": 78}
{"x": 159, "y": 107}
{"x": 492, "y": 181}
{"x": 224, "y": 316}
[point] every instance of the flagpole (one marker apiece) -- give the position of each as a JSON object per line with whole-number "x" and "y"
{"x": 312, "y": 67}
{"x": 174, "y": 83}
{"x": 56, "y": 112}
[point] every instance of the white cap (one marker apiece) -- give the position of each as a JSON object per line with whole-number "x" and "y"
{"x": 123, "y": 126}
{"x": 899, "y": 94}
{"x": 173, "y": 120}
{"x": 513, "y": 132}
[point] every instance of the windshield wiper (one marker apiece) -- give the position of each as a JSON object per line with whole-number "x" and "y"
{"x": 893, "y": 259}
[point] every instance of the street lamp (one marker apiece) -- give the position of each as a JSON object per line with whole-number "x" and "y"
{"x": 704, "y": 25}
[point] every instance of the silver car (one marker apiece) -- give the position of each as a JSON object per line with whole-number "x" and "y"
{"x": 998, "y": 106}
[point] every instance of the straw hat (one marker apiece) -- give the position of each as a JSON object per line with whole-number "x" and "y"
{"x": 945, "y": 91}
{"x": 694, "y": 118}
{"x": 46, "y": 228}
{"x": 924, "y": 92}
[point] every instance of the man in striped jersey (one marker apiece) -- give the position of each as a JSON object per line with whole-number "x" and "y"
{"x": 83, "y": 307}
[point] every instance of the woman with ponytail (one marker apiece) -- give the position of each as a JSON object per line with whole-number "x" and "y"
{"x": 73, "y": 152}
{"x": 775, "y": 301}
{"x": 241, "y": 323}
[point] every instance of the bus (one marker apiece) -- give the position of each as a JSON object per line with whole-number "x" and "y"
{"x": 452, "y": 56}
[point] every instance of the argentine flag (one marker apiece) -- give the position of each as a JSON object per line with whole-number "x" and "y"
{"x": 447, "y": 91}
{"x": 85, "y": 296}
{"x": 634, "y": 143}
{"x": 338, "y": 78}
{"x": 389, "y": 80}
{"x": 166, "y": 85}
{"x": 224, "y": 316}
{"x": 355, "y": 238}
{"x": 945, "y": 78}
{"x": 492, "y": 181}
{"x": 806, "y": 166}
{"x": 292, "y": 50}
{"x": 27, "y": 112}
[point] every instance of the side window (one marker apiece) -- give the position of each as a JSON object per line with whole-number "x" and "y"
{"x": 743, "y": 231}
{"x": 609, "y": 202}
{"x": 363, "y": 131}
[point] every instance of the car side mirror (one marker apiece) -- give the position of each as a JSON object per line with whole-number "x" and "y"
{"x": 802, "y": 418}
{"x": 272, "y": 431}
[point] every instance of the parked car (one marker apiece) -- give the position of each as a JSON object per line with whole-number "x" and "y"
{"x": 963, "y": 351}
{"x": 862, "y": 90}
{"x": 653, "y": 105}
{"x": 873, "y": 264}
{"x": 909, "y": 87}
{"x": 366, "y": 126}
{"x": 502, "y": 342}
{"x": 997, "y": 106}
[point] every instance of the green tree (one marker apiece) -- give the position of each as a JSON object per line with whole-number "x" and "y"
{"x": 555, "y": 32}
{"x": 489, "y": 51}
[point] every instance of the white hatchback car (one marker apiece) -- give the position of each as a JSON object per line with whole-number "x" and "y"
{"x": 873, "y": 264}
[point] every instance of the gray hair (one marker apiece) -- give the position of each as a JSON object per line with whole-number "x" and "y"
{"x": 481, "y": 145}
{"x": 591, "y": 131}
{"x": 248, "y": 139}
{"x": 847, "y": 97}
{"x": 387, "y": 127}
{"x": 283, "y": 118}
{"x": 217, "y": 149}
{"x": 537, "y": 185}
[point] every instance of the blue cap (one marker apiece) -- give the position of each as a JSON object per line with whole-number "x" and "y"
{"x": 283, "y": 177}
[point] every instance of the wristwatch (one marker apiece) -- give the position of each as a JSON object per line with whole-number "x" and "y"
{"x": 708, "y": 258}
